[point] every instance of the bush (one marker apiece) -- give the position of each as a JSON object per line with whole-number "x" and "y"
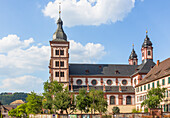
{"x": 135, "y": 111}
{"x": 115, "y": 110}
{"x": 106, "y": 116}
{"x": 146, "y": 110}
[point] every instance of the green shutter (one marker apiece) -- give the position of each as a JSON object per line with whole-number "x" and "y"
{"x": 168, "y": 80}
{"x": 163, "y": 81}
{"x": 157, "y": 83}
{"x": 148, "y": 86}
{"x": 144, "y": 87}
{"x": 153, "y": 85}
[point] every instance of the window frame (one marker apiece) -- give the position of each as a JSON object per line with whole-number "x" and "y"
{"x": 79, "y": 80}
{"x": 57, "y": 74}
{"x": 149, "y": 86}
{"x": 127, "y": 100}
{"x": 114, "y": 100}
{"x": 61, "y": 74}
{"x": 92, "y": 82}
{"x": 61, "y": 62}
{"x": 57, "y": 52}
{"x": 163, "y": 81}
{"x": 56, "y": 63}
{"x": 61, "y": 52}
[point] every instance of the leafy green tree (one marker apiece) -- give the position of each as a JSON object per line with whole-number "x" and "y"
{"x": 154, "y": 97}
{"x": 50, "y": 90}
{"x": 63, "y": 101}
{"x": 98, "y": 102}
{"x": 34, "y": 103}
{"x": 115, "y": 110}
{"x": 83, "y": 101}
{"x": 20, "y": 111}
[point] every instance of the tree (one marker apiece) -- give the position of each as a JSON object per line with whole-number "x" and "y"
{"x": 83, "y": 101}
{"x": 98, "y": 102}
{"x": 154, "y": 97}
{"x": 20, "y": 111}
{"x": 63, "y": 101}
{"x": 115, "y": 110}
{"x": 50, "y": 90}
{"x": 34, "y": 103}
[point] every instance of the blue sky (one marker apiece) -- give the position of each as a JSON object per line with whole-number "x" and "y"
{"x": 106, "y": 32}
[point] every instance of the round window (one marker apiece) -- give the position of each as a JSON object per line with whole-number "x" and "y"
{"x": 94, "y": 82}
{"x": 79, "y": 81}
{"x": 124, "y": 82}
{"x": 109, "y": 82}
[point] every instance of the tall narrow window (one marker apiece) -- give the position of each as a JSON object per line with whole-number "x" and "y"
{"x": 56, "y": 52}
{"x": 149, "y": 52}
{"x": 62, "y": 74}
{"x": 142, "y": 54}
{"x": 128, "y": 100}
{"x": 141, "y": 88}
{"x": 112, "y": 100}
{"x": 168, "y": 80}
{"x": 56, "y": 74}
{"x": 157, "y": 83}
{"x": 57, "y": 63}
{"x": 61, "y": 52}
{"x": 153, "y": 85}
{"x": 163, "y": 81}
{"x": 62, "y": 63}
{"x": 148, "y": 86}
{"x": 144, "y": 87}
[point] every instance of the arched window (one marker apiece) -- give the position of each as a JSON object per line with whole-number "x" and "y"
{"x": 112, "y": 100}
{"x": 128, "y": 100}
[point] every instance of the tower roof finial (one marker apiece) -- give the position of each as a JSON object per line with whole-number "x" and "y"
{"x": 146, "y": 31}
{"x": 60, "y": 9}
{"x": 133, "y": 45}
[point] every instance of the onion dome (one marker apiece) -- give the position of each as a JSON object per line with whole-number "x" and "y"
{"x": 59, "y": 35}
{"x": 147, "y": 41}
{"x": 133, "y": 54}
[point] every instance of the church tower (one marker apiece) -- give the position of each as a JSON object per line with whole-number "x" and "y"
{"x": 147, "y": 49}
{"x": 133, "y": 60}
{"x": 59, "y": 67}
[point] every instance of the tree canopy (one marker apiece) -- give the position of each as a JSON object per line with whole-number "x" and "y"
{"x": 154, "y": 97}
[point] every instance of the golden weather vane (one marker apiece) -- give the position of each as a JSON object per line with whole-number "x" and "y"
{"x": 60, "y": 9}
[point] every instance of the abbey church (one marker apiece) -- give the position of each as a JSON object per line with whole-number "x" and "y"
{"x": 117, "y": 81}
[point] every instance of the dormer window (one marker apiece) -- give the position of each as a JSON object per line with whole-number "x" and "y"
{"x": 87, "y": 71}
{"x": 117, "y": 72}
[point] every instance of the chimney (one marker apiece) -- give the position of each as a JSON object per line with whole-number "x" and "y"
{"x": 157, "y": 63}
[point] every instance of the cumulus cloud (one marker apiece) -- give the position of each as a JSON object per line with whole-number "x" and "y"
{"x": 89, "y": 12}
{"x": 18, "y": 56}
{"x": 20, "y": 59}
{"x": 23, "y": 57}
{"x": 25, "y": 83}
{"x": 89, "y": 53}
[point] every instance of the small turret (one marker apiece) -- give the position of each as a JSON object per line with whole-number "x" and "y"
{"x": 133, "y": 60}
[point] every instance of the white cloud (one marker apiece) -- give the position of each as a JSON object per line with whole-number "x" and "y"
{"x": 89, "y": 12}
{"x": 90, "y": 53}
{"x": 25, "y": 83}
{"x": 18, "y": 56}
{"x": 22, "y": 57}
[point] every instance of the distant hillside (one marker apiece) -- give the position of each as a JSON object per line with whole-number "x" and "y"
{"x": 7, "y": 98}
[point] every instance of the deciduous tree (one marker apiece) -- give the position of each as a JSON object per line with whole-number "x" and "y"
{"x": 154, "y": 97}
